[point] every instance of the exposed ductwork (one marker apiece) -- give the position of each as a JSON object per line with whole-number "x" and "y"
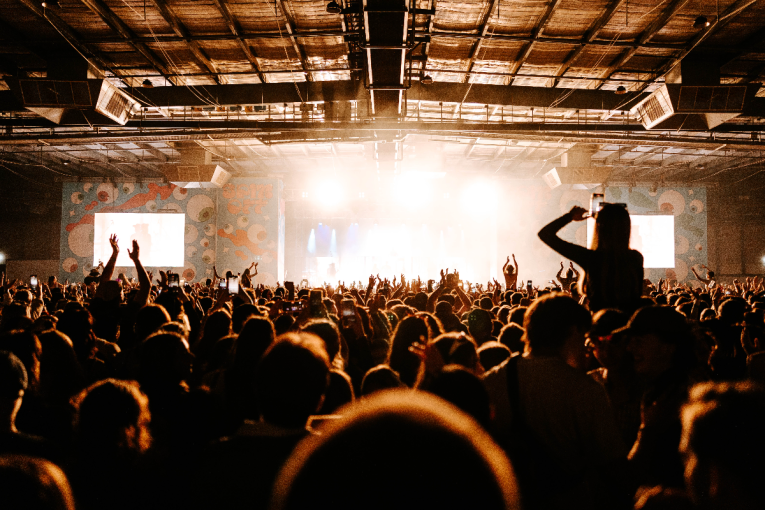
{"x": 52, "y": 99}
{"x": 693, "y": 98}
{"x": 385, "y": 26}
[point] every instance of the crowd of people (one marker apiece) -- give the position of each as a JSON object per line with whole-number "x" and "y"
{"x": 600, "y": 391}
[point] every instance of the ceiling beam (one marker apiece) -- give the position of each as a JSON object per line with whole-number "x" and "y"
{"x": 569, "y": 41}
{"x": 314, "y": 132}
{"x": 656, "y": 25}
{"x": 115, "y": 23}
{"x": 484, "y": 27}
{"x": 181, "y": 31}
{"x": 615, "y": 157}
{"x": 225, "y": 11}
{"x": 69, "y": 35}
{"x": 161, "y": 156}
{"x": 538, "y": 29}
{"x": 589, "y": 38}
{"x": 290, "y": 24}
{"x": 726, "y": 17}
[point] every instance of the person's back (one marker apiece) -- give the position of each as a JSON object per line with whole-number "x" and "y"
{"x": 723, "y": 446}
{"x": 613, "y": 272}
{"x": 290, "y": 382}
{"x": 557, "y": 411}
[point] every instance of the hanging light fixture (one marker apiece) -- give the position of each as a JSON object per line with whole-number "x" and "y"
{"x": 51, "y": 4}
{"x": 701, "y": 22}
{"x": 426, "y": 80}
{"x": 147, "y": 84}
{"x": 620, "y": 90}
{"x": 334, "y": 8}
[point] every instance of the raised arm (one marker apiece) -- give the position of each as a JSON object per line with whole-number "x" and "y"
{"x": 549, "y": 236}
{"x": 560, "y": 272}
{"x": 698, "y": 277}
{"x": 576, "y": 273}
{"x": 109, "y": 269}
{"x": 144, "y": 283}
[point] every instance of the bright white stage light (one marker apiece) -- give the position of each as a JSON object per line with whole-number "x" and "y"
{"x": 480, "y": 198}
{"x": 329, "y": 193}
{"x": 412, "y": 189}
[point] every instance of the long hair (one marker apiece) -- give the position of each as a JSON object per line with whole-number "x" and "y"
{"x": 612, "y": 229}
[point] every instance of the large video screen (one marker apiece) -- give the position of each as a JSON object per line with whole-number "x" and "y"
{"x": 159, "y": 236}
{"x": 651, "y": 235}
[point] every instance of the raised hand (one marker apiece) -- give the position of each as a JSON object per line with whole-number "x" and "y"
{"x": 113, "y": 241}
{"x": 371, "y": 280}
{"x": 134, "y": 254}
{"x": 578, "y": 213}
{"x": 561, "y": 265}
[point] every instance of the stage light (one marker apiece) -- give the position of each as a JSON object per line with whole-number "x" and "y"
{"x": 701, "y": 22}
{"x": 329, "y": 193}
{"x": 412, "y": 189}
{"x": 620, "y": 90}
{"x": 51, "y": 4}
{"x": 334, "y": 8}
{"x": 763, "y": 261}
{"x": 312, "y": 241}
{"x": 426, "y": 80}
{"x": 2, "y": 258}
{"x": 147, "y": 84}
{"x": 479, "y": 198}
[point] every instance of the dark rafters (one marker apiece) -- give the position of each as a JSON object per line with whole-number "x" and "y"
{"x": 225, "y": 11}
{"x": 115, "y": 23}
{"x": 484, "y": 28}
{"x": 589, "y": 38}
{"x": 726, "y": 17}
{"x": 656, "y": 25}
{"x": 181, "y": 31}
{"x": 292, "y": 33}
{"x": 96, "y": 60}
{"x": 538, "y": 29}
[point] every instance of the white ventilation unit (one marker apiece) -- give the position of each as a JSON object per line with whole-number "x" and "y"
{"x": 697, "y": 106}
{"x": 589, "y": 177}
{"x": 115, "y": 104}
{"x": 197, "y": 176}
{"x": 552, "y": 178}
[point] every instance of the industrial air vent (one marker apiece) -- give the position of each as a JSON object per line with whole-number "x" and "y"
{"x": 696, "y": 106}
{"x": 115, "y": 104}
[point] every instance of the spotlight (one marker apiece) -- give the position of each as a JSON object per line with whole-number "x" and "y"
{"x": 2, "y": 258}
{"x": 701, "y": 22}
{"x": 329, "y": 194}
{"x": 334, "y": 8}
{"x": 51, "y": 4}
{"x": 426, "y": 80}
{"x": 620, "y": 90}
{"x": 147, "y": 84}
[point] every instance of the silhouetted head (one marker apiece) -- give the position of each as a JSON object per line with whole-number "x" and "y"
{"x": 112, "y": 420}
{"x": 612, "y": 229}
{"x": 425, "y": 453}
{"x": 291, "y": 379}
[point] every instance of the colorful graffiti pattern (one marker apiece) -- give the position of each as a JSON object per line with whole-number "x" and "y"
{"x": 210, "y": 236}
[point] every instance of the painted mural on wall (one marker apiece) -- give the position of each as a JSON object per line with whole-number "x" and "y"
{"x": 249, "y": 215}
{"x": 688, "y": 205}
{"x": 210, "y": 236}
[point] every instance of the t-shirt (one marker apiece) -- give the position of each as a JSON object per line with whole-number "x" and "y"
{"x": 565, "y": 409}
